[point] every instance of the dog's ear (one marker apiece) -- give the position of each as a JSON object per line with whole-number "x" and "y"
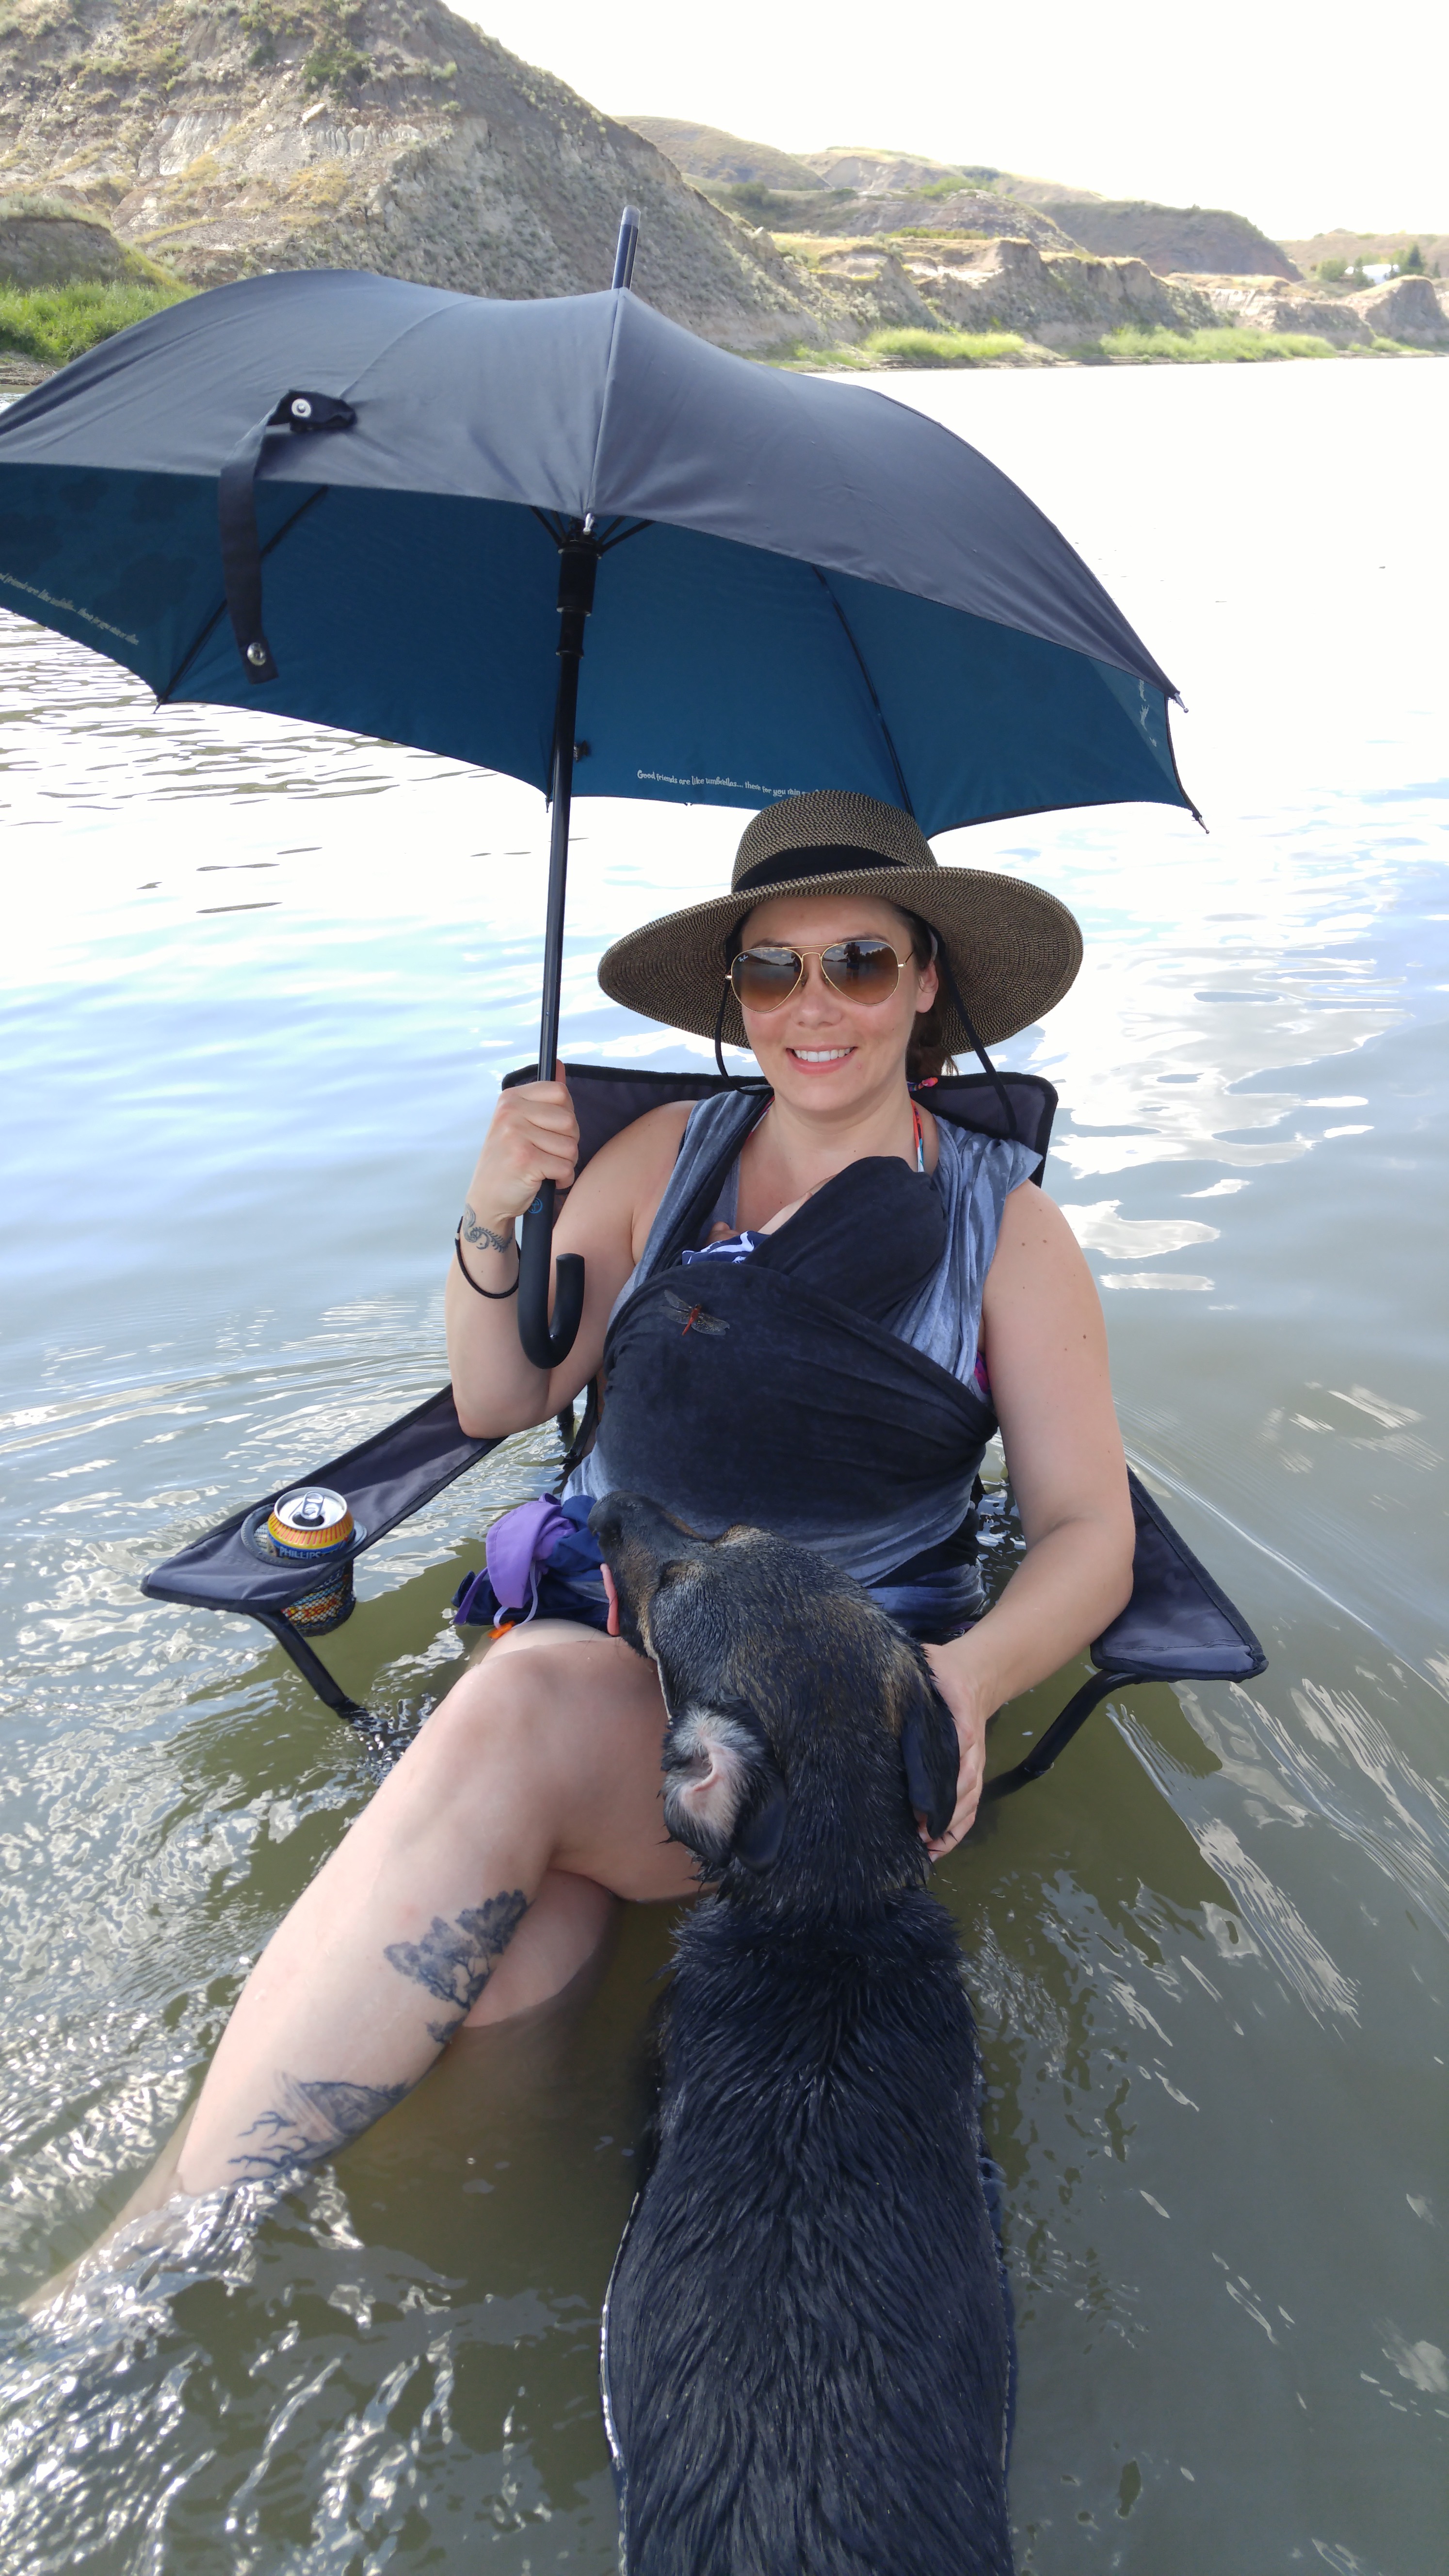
{"x": 760, "y": 1826}
{"x": 723, "y": 1794}
{"x": 759, "y": 1836}
{"x": 931, "y": 1750}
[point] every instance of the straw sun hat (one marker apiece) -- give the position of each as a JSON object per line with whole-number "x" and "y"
{"x": 1012, "y": 951}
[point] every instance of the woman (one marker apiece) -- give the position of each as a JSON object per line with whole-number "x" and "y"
{"x": 481, "y": 1877}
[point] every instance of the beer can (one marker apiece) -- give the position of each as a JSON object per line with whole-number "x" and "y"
{"x": 306, "y": 1528}
{"x": 309, "y": 1523}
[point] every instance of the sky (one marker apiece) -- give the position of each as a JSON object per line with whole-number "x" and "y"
{"x": 1303, "y": 119}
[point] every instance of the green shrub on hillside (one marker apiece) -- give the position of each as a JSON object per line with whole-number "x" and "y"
{"x": 334, "y": 63}
{"x": 54, "y": 324}
{"x": 921, "y": 348}
{"x": 777, "y": 209}
{"x": 1228, "y": 346}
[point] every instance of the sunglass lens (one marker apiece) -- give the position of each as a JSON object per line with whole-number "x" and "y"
{"x": 763, "y": 978}
{"x": 863, "y": 970}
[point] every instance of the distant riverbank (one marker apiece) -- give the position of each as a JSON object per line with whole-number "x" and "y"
{"x": 37, "y": 339}
{"x": 1122, "y": 348}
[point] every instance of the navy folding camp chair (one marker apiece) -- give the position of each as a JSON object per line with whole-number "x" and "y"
{"x": 1178, "y": 1625}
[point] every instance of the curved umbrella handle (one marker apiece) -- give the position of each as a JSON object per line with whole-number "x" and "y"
{"x": 547, "y": 1346}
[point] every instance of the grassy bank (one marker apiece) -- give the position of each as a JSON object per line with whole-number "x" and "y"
{"x": 1226, "y": 346}
{"x": 919, "y": 348}
{"x": 54, "y": 324}
{"x": 906, "y": 347}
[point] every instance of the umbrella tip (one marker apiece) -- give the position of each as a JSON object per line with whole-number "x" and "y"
{"x": 628, "y": 243}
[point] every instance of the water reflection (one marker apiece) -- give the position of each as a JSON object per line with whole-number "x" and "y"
{"x": 1205, "y": 1949}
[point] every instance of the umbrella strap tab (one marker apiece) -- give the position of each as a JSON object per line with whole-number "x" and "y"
{"x": 299, "y": 413}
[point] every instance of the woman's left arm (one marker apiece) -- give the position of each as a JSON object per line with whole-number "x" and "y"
{"x": 1046, "y": 1349}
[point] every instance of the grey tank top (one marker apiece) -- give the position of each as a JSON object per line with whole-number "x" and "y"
{"x": 975, "y": 1176}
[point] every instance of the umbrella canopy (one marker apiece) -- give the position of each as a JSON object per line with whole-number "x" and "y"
{"x": 380, "y": 506}
{"x": 827, "y": 590}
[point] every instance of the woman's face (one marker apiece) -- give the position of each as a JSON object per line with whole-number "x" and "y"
{"x": 818, "y": 1049}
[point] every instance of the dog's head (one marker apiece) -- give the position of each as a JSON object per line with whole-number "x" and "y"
{"x": 805, "y": 1729}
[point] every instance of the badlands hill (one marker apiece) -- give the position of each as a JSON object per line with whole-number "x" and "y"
{"x": 724, "y": 160}
{"x": 225, "y": 137}
{"x": 857, "y": 189}
{"x": 230, "y": 136}
{"x": 1198, "y": 240}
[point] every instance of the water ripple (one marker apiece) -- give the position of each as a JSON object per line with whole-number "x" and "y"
{"x": 246, "y": 1076}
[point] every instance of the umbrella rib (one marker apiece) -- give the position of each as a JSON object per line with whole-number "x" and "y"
{"x": 618, "y": 534}
{"x": 870, "y": 684}
{"x": 214, "y": 620}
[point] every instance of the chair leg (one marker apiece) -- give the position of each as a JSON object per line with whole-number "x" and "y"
{"x": 311, "y": 1667}
{"x": 1058, "y": 1735}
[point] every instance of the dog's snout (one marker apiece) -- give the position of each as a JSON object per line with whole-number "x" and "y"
{"x": 633, "y": 1521}
{"x": 638, "y": 1541}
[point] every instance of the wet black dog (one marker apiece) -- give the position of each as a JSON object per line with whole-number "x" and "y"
{"x": 807, "y": 2347}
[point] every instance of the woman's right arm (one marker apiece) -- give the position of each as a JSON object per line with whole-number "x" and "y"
{"x": 534, "y": 1137}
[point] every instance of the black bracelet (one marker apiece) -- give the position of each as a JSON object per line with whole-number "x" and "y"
{"x": 495, "y": 1293}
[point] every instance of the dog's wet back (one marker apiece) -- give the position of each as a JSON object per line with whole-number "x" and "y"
{"x": 808, "y": 2348}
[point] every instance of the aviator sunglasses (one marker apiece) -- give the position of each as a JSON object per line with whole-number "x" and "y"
{"x": 859, "y": 970}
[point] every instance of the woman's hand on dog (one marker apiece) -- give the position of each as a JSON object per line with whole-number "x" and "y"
{"x": 962, "y": 1697}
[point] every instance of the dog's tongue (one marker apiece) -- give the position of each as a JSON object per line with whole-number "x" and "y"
{"x": 612, "y": 1598}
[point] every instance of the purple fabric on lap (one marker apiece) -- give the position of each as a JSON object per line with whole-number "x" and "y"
{"x": 519, "y": 1545}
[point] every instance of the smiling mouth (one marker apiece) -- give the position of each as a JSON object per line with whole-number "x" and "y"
{"x": 820, "y": 1055}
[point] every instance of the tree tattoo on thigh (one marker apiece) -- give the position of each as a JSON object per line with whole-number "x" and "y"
{"x": 454, "y": 1961}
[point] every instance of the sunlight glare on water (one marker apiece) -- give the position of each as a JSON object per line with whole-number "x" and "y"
{"x": 259, "y": 985}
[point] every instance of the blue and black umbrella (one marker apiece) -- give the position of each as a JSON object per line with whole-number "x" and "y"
{"x": 380, "y": 506}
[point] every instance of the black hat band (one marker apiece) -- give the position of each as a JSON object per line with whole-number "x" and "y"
{"x": 832, "y": 859}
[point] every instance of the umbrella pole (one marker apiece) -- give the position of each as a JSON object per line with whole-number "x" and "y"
{"x": 547, "y": 1345}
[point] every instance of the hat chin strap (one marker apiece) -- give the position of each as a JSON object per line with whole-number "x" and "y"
{"x": 943, "y": 962}
{"x": 725, "y": 1075}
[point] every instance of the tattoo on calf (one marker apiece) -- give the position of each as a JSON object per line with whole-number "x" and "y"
{"x": 312, "y": 2121}
{"x": 475, "y": 1231}
{"x": 454, "y": 1961}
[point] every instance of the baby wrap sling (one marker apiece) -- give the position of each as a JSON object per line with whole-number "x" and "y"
{"x": 823, "y": 1388}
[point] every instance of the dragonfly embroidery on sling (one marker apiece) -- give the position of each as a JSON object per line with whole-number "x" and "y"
{"x": 694, "y": 1319}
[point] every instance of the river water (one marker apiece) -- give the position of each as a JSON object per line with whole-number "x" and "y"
{"x": 260, "y": 984}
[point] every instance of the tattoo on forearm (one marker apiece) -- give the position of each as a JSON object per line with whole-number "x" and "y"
{"x": 475, "y": 1231}
{"x": 311, "y": 2121}
{"x": 454, "y": 1961}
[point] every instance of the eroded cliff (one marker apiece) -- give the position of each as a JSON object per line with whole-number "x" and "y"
{"x": 230, "y": 136}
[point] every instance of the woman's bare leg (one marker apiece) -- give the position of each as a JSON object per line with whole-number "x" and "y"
{"x": 536, "y": 1778}
{"x": 565, "y": 1927}
{"x": 562, "y": 1932}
